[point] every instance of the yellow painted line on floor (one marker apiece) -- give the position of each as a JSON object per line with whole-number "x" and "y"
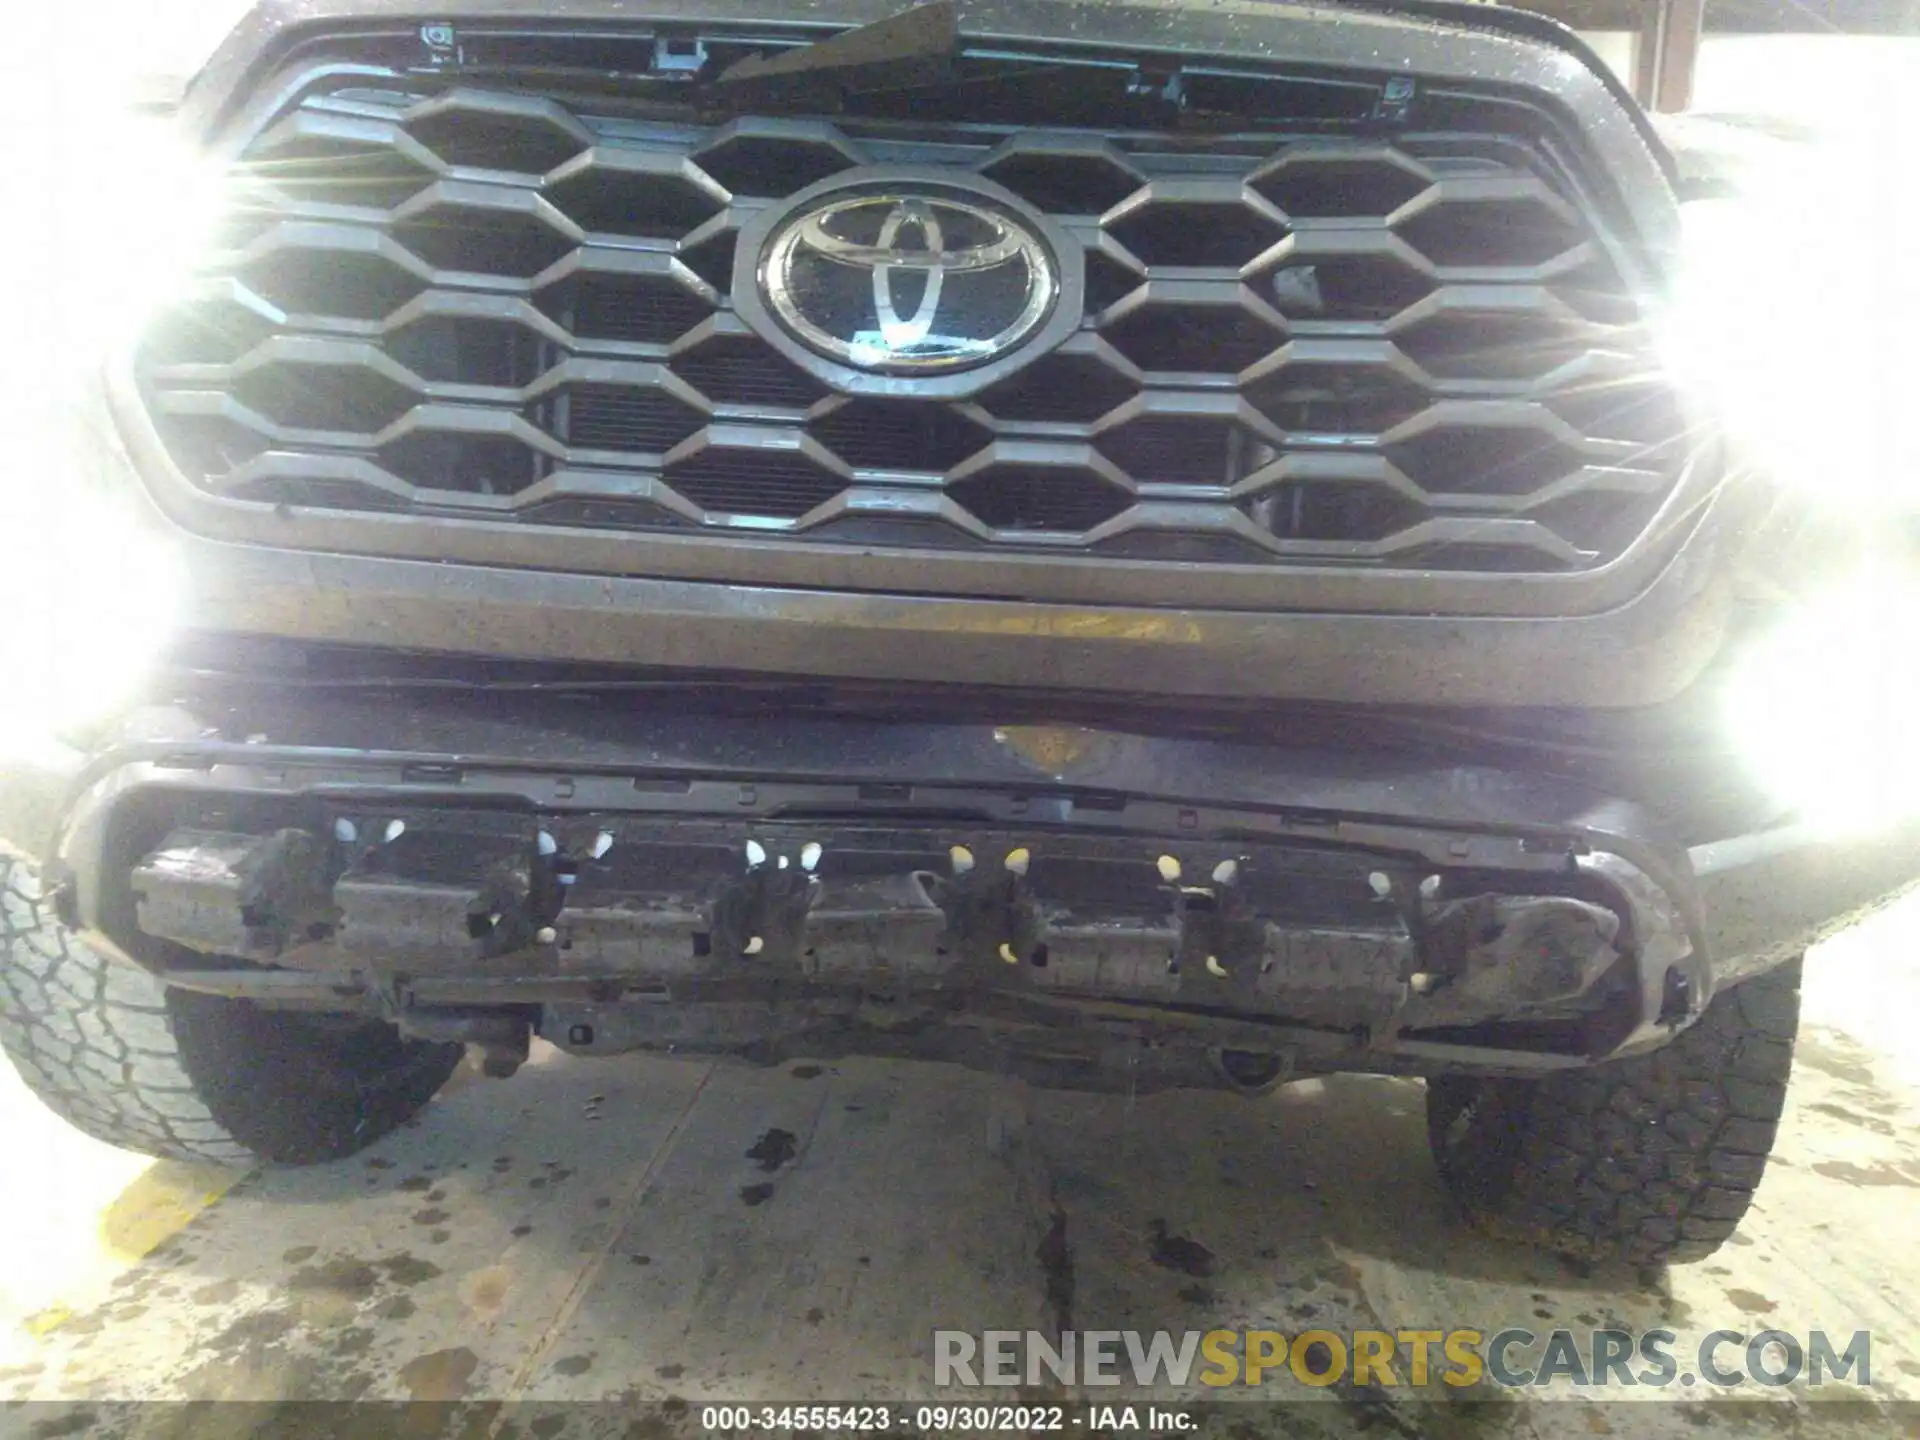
{"x": 43, "y": 1323}
{"x": 161, "y": 1202}
{"x": 152, "y": 1208}
{"x": 53, "y": 1278}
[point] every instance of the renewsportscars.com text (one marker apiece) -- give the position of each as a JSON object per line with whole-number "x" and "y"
{"x": 1510, "y": 1358}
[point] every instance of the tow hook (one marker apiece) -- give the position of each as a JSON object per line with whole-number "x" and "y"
{"x": 500, "y": 1042}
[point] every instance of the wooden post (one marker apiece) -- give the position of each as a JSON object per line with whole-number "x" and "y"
{"x": 1666, "y": 52}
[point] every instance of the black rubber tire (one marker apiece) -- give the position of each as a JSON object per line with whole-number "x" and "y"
{"x": 188, "y": 1076}
{"x": 1643, "y": 1161}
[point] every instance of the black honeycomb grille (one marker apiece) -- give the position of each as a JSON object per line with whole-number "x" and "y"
{"x": 1302, "y": 352}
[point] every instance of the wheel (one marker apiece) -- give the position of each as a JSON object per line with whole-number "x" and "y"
{"x": 1647, "y": 1160}
{"x": 187, "y": 1076}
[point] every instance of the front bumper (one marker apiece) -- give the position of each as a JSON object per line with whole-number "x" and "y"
{"x": 467, "y": 865}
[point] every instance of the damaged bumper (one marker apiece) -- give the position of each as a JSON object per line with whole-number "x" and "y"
{"x": 1074, "y": 903}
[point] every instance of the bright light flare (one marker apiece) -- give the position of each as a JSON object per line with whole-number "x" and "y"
{"x": 110, "y": 248}
{"x": 100, "y": 262}
{"x": 144, "y": 234}
{"x": 1824, "y": 707}
{"x": 1796, "y": 316}
{"x": 86, "y": 598}
{"x": 87, "y": 601}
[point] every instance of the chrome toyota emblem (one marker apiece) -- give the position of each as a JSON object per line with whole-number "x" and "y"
{"x": 906, "y": 283}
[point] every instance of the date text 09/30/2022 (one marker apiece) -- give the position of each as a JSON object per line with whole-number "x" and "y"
{"x": 987, "y": 1418}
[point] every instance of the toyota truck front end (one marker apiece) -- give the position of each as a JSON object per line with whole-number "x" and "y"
{"x": 1127, "y": 545}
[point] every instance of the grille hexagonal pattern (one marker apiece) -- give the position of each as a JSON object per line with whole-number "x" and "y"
{"x": 1294, "y": 351}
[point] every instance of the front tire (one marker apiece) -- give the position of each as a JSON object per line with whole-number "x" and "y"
{"x": 1646, "y": 1161}
{"x": 187, "y": 1076}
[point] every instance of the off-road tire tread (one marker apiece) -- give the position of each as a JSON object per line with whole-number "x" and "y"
{"x": 1645, "y": 1161}
{"x": 185, "y": 1077}
{"x": 93, "y": 1039}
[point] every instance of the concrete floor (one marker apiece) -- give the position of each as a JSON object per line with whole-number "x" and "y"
{"x": 597, "y": 1231}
